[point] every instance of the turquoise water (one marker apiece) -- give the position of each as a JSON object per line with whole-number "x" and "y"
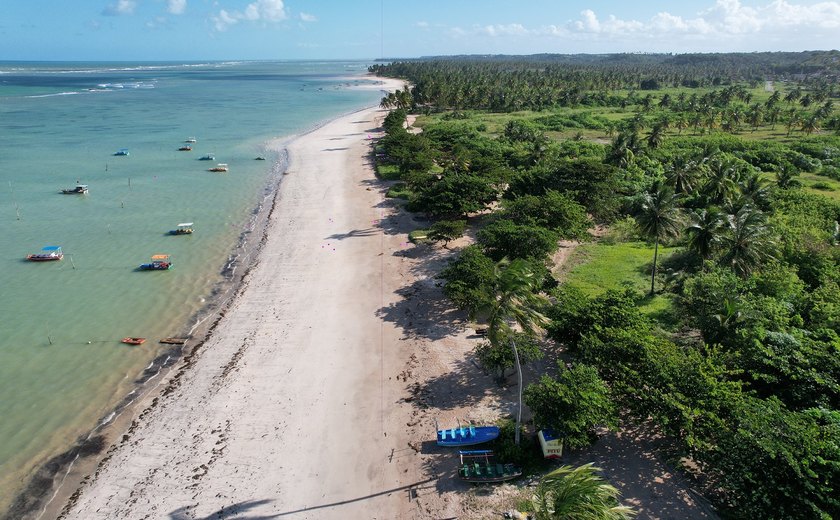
{"x": 62, "y": 366}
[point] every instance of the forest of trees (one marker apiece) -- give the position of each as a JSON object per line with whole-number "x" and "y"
{"x": 695, "y": 152}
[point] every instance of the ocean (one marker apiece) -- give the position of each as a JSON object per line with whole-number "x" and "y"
{"x": 62, "y": 365}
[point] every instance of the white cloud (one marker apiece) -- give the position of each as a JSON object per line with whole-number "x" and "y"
{"x": 513, "y": 29}
{"x": 261, "y": 10}
{"x": 176, "y": 6}
{"x": 422, "y": 25}
{"x": 722, "y": 25}
{"x": 723, "y": 19}
{"x": 120, "y": 7}
{"x": 306, "y": 17}
{"x": 224, "y": 20}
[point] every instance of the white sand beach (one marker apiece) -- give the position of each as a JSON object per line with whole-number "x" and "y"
{"x": 316, "y": 394}
{"x": 292, "y": 407}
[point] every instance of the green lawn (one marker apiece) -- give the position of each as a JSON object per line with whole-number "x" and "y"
{"x": 598, "y": 266}
{"x": 826, "y": 186}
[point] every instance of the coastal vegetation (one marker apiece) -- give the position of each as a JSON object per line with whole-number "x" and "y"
{"x": 708, "y": 304}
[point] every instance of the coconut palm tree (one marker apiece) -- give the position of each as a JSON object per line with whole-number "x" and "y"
{"x": 705, "y": 231}
{"x": 513, "y": 300}
{"x": 721, "y": 180}
{"x": 684, "y": 174}
{"x": 659, "y": 218}
{"x": 580, "y": 494}
{"x": 656, "y": 135}
{"x": 749, "y": 242}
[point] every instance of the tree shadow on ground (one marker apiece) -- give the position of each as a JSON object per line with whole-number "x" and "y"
{"x": 423, "y": 312}
{"x": 632, "y": 460}
{"x": 232, "y": 512}
{"x": 353, "y": 234}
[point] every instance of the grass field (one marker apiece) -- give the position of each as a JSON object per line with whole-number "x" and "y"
{"x": 598, "y": 267}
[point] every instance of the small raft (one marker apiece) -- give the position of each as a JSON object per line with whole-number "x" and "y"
{"x": 134, "y": 341}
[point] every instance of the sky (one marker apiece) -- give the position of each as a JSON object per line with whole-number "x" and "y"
{"x": 176, "y": 30}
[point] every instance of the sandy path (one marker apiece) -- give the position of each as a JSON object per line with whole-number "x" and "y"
{"x": 291, "y": 408}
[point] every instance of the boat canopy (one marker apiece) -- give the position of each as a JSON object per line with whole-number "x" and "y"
{"x": 160, "y": 257}
{"x": 81, "y": 185}
{"x": 185, "y": 224}
{"x": 51, "y": 248}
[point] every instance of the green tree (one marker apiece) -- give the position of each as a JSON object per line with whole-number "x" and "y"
{"x": 572, "y": 405}
{"x": 505, "y": 238}
{"x": 578, "y": 494}
{"x": 514, "y": 300}
{"x": 499, "y": 358}
{"x": 659, "y": 217}
{"x": 468, "y": 278}
{"x": 455, "y": 194}
{"x": 749, "y": 242}
{"x": 553, "y": 210}
{"x": 447, "y": 230}
{"x": 705, "y": 231}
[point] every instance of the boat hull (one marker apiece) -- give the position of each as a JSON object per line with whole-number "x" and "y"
{"x": 134, "y": 341}
{"x": 468, "y": 436}
{"x": 155, "y": 267}
{"x": 478, "y": 473}
{"x": 44, "y": 258}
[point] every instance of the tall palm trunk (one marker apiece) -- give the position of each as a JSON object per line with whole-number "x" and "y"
{"x": 653, "y": 273}
{"x": 519, "y": 405}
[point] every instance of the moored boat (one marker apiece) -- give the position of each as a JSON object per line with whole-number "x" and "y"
{"x": 134, "y": 341}
{"x": 173, "y": 341}
{"x": 47, "y": 254}
{"x": 479, "y": 466}
{"x": 467, "y": 435}
{"x": 158, "y": 263}
{"x": 190, "y": 140}
{"x": 80, "y": 189}
{"x": 207, "y": 157}
{"x": 185, "y": 228}
{"x": 122, "y": 151}
{"x": 185, "y": 148}
{"x": 221, "y": 167}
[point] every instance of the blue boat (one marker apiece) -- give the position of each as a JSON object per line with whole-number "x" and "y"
{"x": 158, "y": 263}
{"x": 121, "y": 151}
{"x": 479, "y": 466}
{"x": 466, "y": 435}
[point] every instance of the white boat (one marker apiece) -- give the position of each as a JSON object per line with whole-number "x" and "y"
{"x": 121, "y": 151}
{"x": 184, "y": 228}
{"x": 190, "y": 140}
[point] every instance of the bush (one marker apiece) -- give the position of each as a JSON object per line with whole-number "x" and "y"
{"x": 823, "y": 186}
{"x": 399, "y": 191}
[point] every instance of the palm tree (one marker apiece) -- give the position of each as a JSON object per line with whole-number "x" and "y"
{"x": 656, "y": 135}
{"x": 749, "y": 243}
{"x": 684, "y": 174}
{"x": 721, "y": 179}
{"x": 659, "y": 217}
{"x": 810, "y": 125}
{"x": 705, "y": 231}
{"x": 756, "y": 189}
{"x": 579, "y": 494}
{"x": 514, "y": 299}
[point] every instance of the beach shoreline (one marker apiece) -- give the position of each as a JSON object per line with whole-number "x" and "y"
{"x": 150, "y": 400}
{"x": 76, "y": 465}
